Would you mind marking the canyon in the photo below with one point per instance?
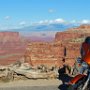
(66, 46)
(64, 49)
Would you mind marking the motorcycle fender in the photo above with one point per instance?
(76, 78)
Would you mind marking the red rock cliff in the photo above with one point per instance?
(72, 40)
(44, 53)
(67, 45)
(11, 47)
(9, 37)
(73, 33)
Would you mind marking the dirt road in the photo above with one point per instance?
(32, 88)
(32, 85)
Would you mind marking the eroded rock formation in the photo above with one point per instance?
(9, 37)
(52, 54)
(12, 47)
(44, 53)
(66, 46)
(73, 33)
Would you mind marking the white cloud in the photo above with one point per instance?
(7, 17)
(62, 21)
(59, 20)
(43, 22)
(50, 10)
(50, 21)
(22, 23)
(73, 21)
(85, 21)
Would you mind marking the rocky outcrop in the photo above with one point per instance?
(65, 47)
(44, 53)
(51, 54)
(72, 40)
(73, 33)
(9, 37)
(60, 36)
(12, 47)
(82, 29)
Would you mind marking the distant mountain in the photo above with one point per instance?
(47, 27)
(43, 32)
(44, 27)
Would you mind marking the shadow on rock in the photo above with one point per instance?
(64, 78)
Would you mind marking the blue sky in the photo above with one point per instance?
(18, 13)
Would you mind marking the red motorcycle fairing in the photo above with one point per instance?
(76, 78)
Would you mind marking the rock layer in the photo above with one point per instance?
(65, 47)
(11, 47)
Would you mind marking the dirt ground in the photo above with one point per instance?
(40, 84)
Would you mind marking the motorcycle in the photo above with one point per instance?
(77, 66)
(81, 81)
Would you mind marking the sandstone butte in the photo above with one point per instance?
(66, 46)
(12, 47)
